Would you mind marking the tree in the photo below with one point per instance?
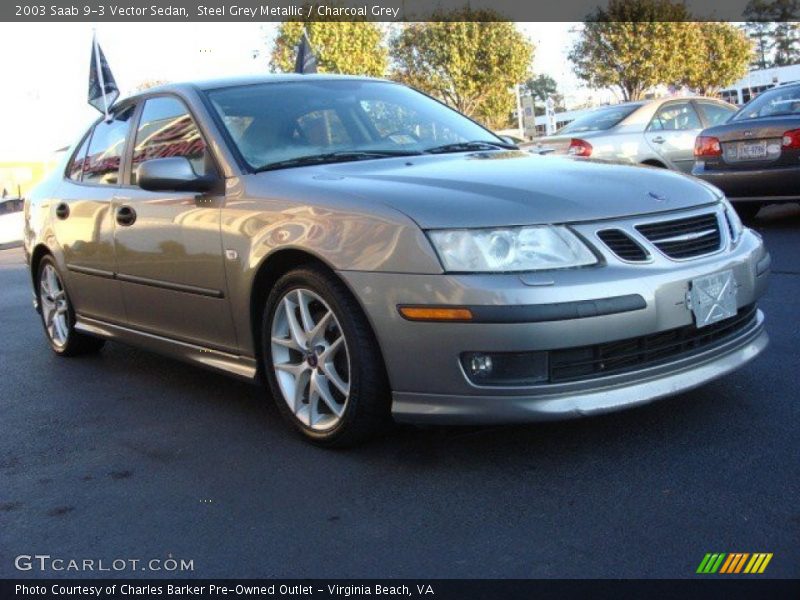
(468, 59)
(773, 26)
(351, 47)
(722, 56)
(759, 28)
(149, 83)
(634, 45)
(540, 89)
(787, 43)
(787, 32)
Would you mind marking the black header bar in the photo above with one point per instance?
(352, 10)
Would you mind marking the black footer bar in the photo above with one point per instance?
(435, 589)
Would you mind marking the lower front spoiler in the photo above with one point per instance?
(413, 407)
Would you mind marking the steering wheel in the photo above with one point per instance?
(401, 132)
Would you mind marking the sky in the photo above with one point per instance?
(45, 68)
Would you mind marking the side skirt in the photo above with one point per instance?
(242, 367)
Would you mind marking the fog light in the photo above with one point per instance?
(506, 368)
(480, 365)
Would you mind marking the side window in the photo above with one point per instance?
(78, 162)
(167, 129)
(675, 117)
(105, 150)
(716, 114)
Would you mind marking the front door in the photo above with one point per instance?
(169, 246)
(672, 132)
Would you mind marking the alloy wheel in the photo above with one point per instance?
(310, 359)
(55, 306)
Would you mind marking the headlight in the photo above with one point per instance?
(510, 249)
(734, 222)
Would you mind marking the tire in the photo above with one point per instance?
(58, 316)
(747, 211)
(330, 382)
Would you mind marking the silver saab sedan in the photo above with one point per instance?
(375, 255)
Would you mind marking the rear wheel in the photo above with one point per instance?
(747, 211)
(322, 361)
(58, 316)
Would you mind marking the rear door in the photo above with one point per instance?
(671, 134)
(169, 244)
(83, 221)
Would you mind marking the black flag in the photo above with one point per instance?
(103, 90)
(306, 61)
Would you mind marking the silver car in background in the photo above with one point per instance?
(659, 133)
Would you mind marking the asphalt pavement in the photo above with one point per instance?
(128, 455)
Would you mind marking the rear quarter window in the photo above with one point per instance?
(78, 161)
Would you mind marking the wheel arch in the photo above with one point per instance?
(273, 267)
(39, 252)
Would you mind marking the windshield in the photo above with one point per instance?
(599, 120)
(772, 103)
(289, 124)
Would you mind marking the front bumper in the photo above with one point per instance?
(647, 386)
(755, 185)
(423, 358)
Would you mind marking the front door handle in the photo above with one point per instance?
(658, 140)
(126, 216)
(62, 210)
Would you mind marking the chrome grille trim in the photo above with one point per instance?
(685, 238)
(623, 245)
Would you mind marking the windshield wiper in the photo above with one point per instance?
(467, 146)
(333, 157)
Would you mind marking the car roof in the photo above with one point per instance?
(223, 82)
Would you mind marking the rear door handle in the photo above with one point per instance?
(126, 216)
(62, 210)
(658, 140)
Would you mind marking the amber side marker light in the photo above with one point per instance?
(437, 313)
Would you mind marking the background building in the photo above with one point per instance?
(755, 82)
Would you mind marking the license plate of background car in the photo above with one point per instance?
(751, 150)
(713, 298)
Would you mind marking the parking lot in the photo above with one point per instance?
(130, 455)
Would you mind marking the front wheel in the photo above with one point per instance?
(58, 316)
(322, 361)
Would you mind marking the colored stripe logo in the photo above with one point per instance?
(734, 562)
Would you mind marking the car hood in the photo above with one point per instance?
(489, 189)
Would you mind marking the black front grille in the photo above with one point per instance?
(684, 238)
(635, 353)
(621, 244)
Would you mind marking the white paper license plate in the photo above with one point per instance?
(713, 298)
(751, 150)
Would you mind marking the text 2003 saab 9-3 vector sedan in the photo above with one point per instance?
(376, 254)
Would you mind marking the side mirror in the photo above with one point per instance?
(173, 174)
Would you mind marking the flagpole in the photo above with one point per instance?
(99, 68)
